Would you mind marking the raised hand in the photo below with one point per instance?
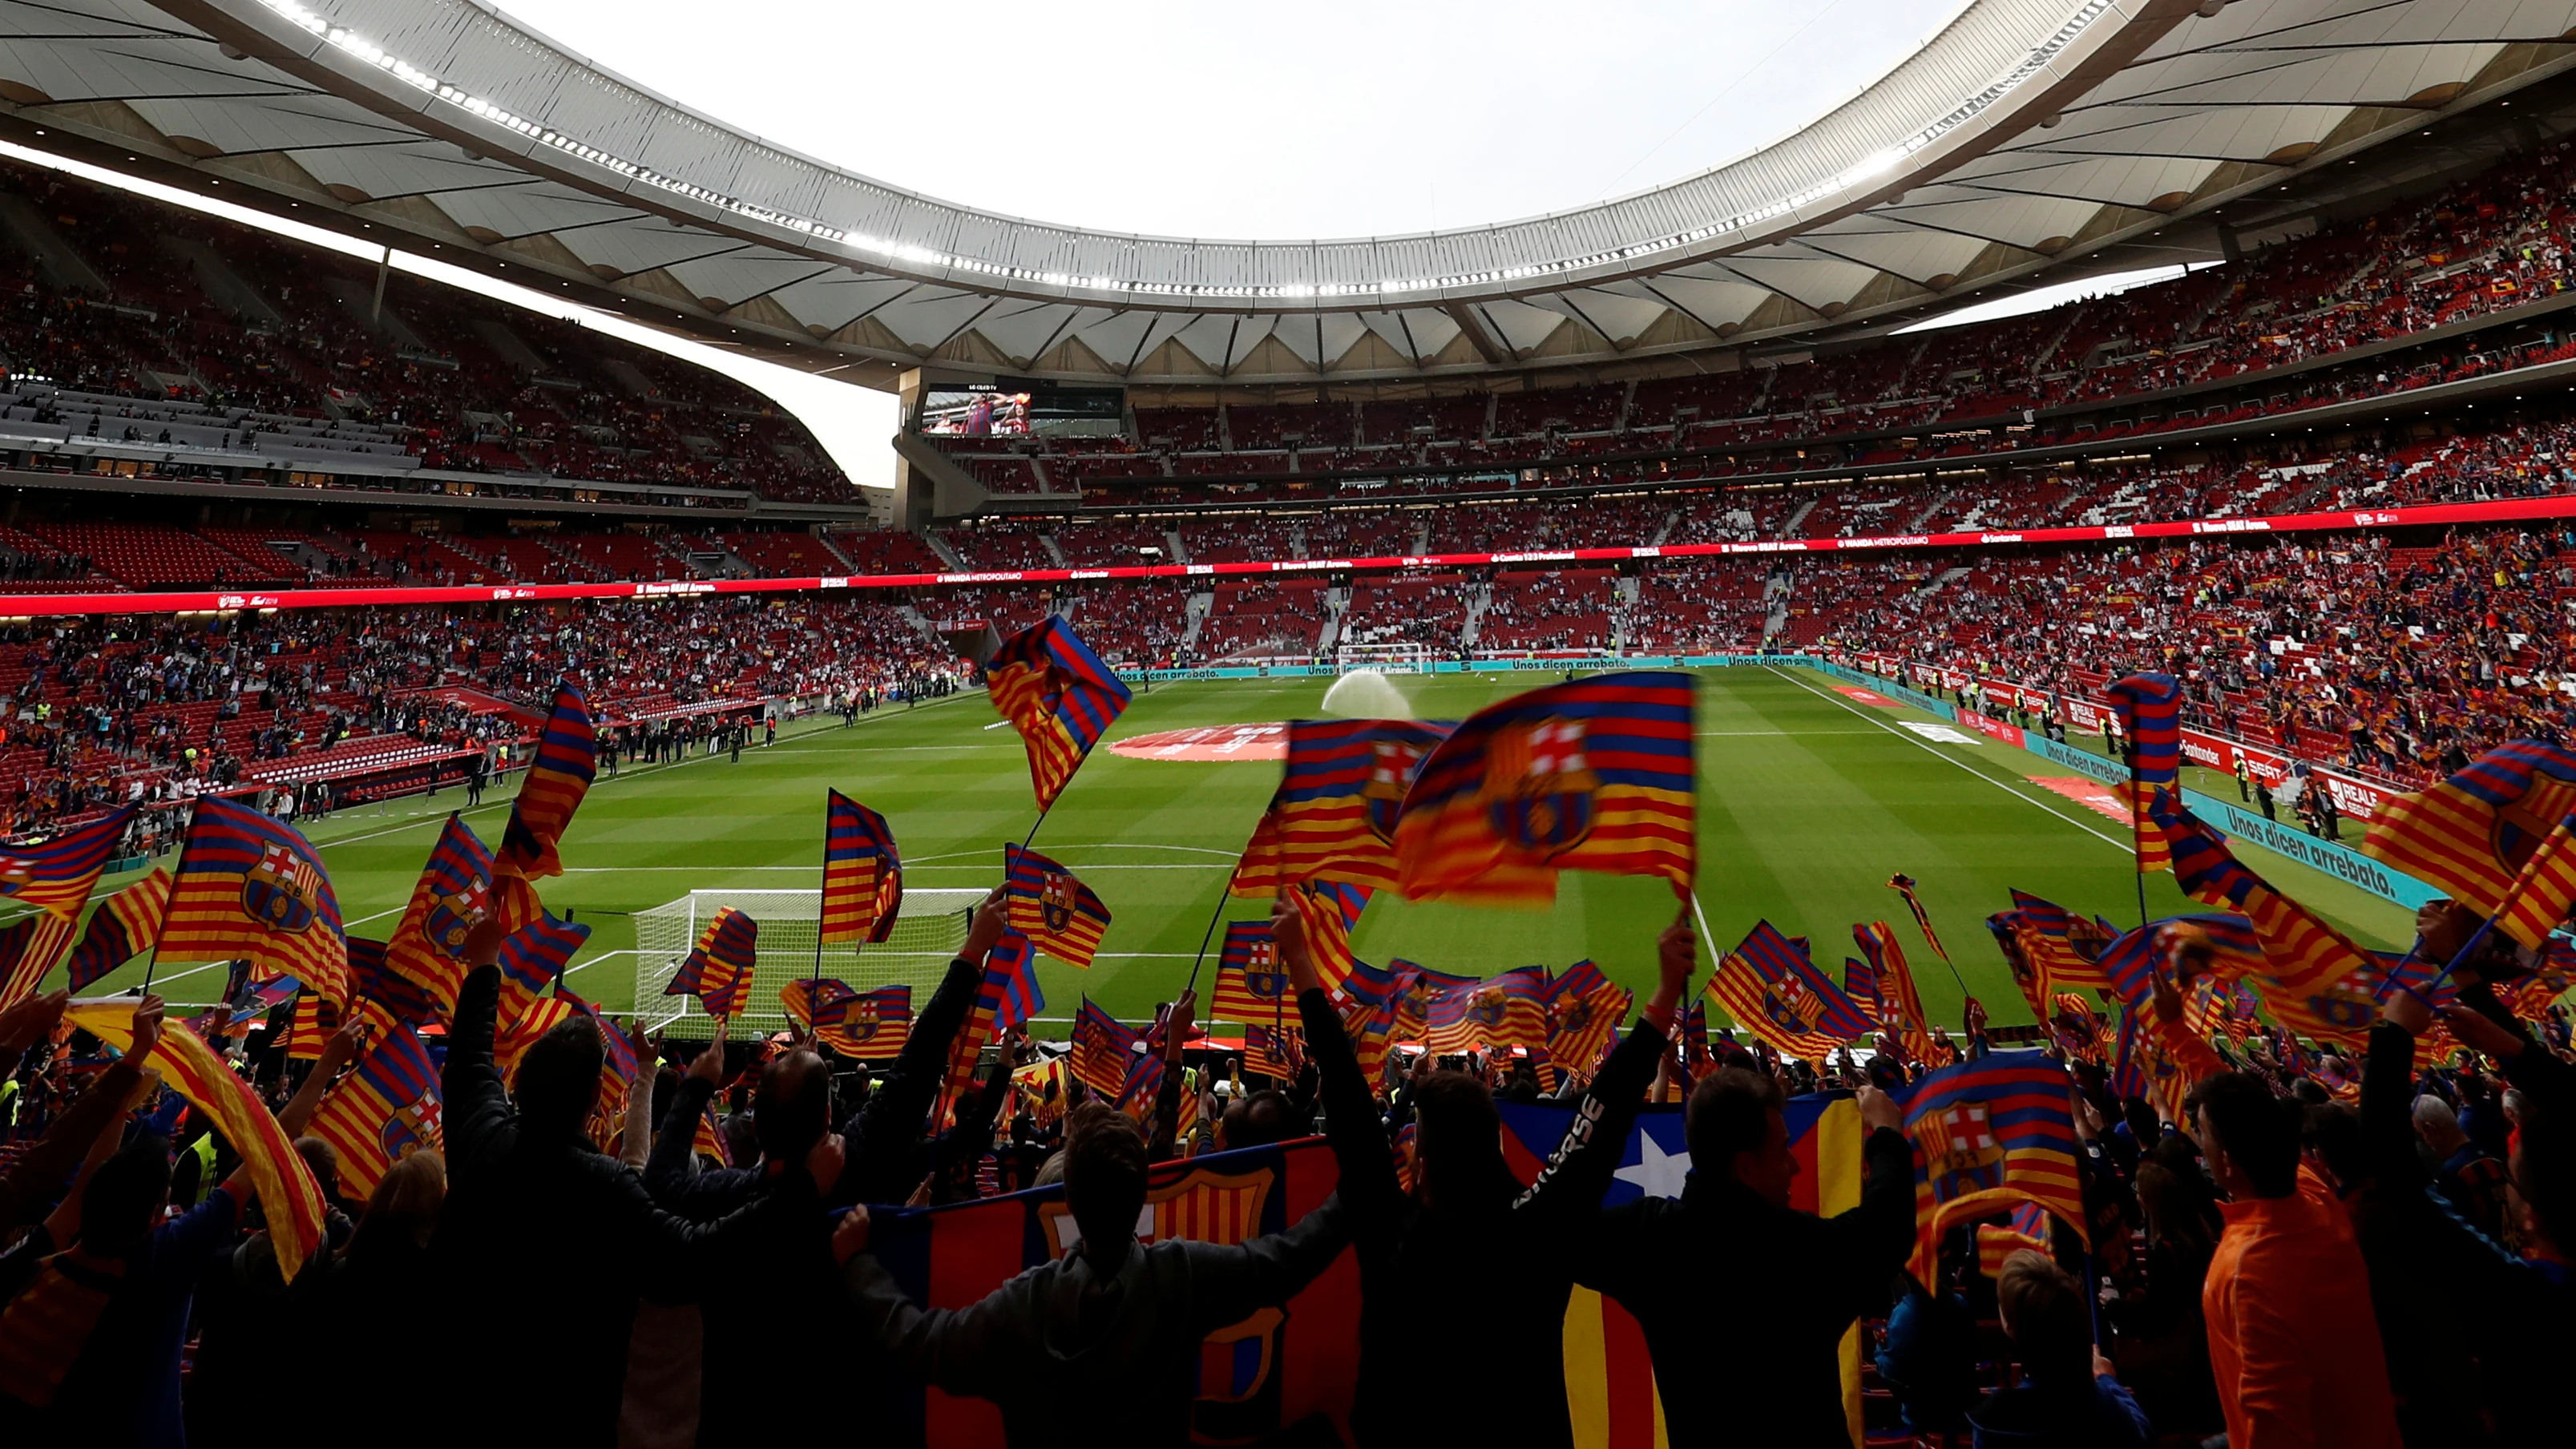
(147, 1028)
(708, 1065)
(2481, 1034)
(992, 919)
(342, 1048)
(850, 1238)
(1877, 1109)
(823, 1162)
(1288, 938)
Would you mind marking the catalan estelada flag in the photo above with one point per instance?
(1058, 695)
(289, 1198)
(123, 927)
(1052, 907)
(1592, 775)
(2130, 962)
(57, 874)
(2471, 835)
(567, 759)
(1502, 1011)
(1334, 815)
(2313, 977)
(717, 971)
(1104, 1050)
(383, 1112)
(2026, 1230)
(1251, 985)
(251, 888)
(2150, 710)
(427, 948)
(1988, 1134)
(29, 947)
(1774, 990)
(866, 1026)
(1899, 1010)
(862, 873)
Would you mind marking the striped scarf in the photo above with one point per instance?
(43, 1330)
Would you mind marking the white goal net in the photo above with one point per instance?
(1405, 658)
(927, 933)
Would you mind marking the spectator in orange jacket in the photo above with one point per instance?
(2292, 1338)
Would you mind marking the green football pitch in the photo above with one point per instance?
(1808, 801)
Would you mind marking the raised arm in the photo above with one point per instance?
(887, 1127)
(1230, 1282)
(475, 1110)
(338, 1051)
(1369, 1186)
(1581, 1168)
(83, 1123)
(673, 1163)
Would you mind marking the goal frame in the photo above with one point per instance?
(927, 933)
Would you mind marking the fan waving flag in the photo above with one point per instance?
(1899, 1008)
(1058, 695)
(122, 928)
(2130, 962)
(718, 969)
(58, 874)
(866, 1026)
(1103, 1050)
(1329, 910)
(532, 961)
(1251, 985)
(1593, 775)
(383, 1112)
(251, 888)
(2150, 710)
(29, 947)
(1581, 1027)
(862, 874)
(1774, 990)
(1988, 1134)
(2313, 976)
(455, 888)
(289, 1198)
(2142, 1068)
(1052, 907)
(1334, 815)
(1008, 997)
(567, 759)
(2471, 835)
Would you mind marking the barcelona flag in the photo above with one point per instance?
(2130, 962)
(2064, 949)
(617, 1068)
(251, 888)
(2150, 710)
(1278, 1051)
(2024, 1231)
(29, 947)
(532, 961)
(2313, 977)
(1253, 1379)
(1904, 885)
(2472, 835)
(567, 759)
(122, 928)
(382, 1112)
(1502, 1011)
(1251, 985)
(1581, 1028)
(57, 874)
(718, 969)
(1008, 997)
(1052, 907)
(1330, 910)
(1058, 695)
(2141, 1068)
(427, 948)
(1593, 775)
(1334, 815)
(289, 1198)
(1987, 1134)
(1104, 1050)
(1775, 991)
(1897, 1008)
(1143, 1087)
(376, 993)
(862, 873)
(866, 1026)
(315, 1021)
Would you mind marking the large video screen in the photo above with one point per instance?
(1020, 407)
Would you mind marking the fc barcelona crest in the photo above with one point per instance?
(450, 921)
(1485, 1008)
(281, 892)
(1969, 1158)
(14, 875)
(1055, 900)
(1390, 774)
(1539, 786)
(1261, 974)
(1577, 1017)
(859, 1021)
(410, 1128)
(1791, 1007)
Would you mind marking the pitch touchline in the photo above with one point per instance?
(1955, 760)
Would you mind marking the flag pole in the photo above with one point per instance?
(2137, 823)
(1222, 896)
(178, 872)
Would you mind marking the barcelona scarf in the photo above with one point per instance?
(1334, 815)
(717, 971)
(251, 888)
(29, 947)
(865, 1026)
(427, 949)
(1254, 1379)
(1058, 695)
(58, 874)
(1052, 907)
(862, 874)
(1987, 1134)
(1502, 1011)
(289, 1197)
(1593, 775)
(1250, 983)
(2150, 710)
(382, 1112)
(1104, 1050)
(567, 760)
(2473, 835)
(2314, 978)
(1896, 1007)
(1774, 990)
(122, 928)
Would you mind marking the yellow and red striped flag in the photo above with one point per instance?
(2475, 835)
(123, 927)
(249, 887)
(29, 947)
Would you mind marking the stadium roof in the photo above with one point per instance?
(2025, 135)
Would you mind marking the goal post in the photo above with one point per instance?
(1403, 658)
(926, 935)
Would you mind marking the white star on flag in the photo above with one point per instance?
(1658, 1174)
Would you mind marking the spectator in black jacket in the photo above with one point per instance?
(544, 1233)
(1733, 1237)
(1100, 1346)
(1468, 1239)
